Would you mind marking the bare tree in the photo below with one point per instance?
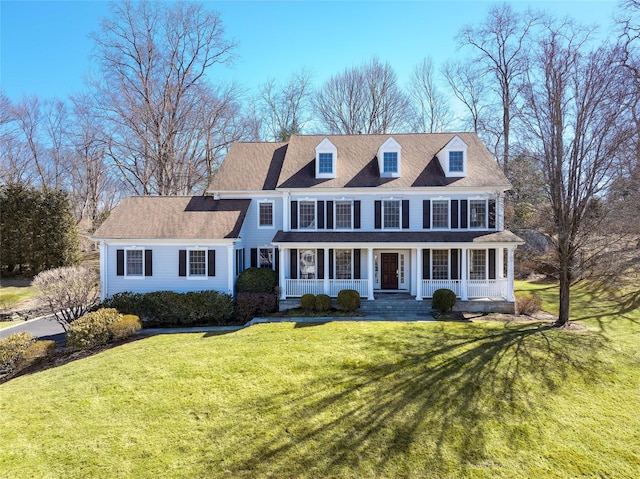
(501, 47)
(365, 99)
(154, 59)
(574, 109)
(432, 113)
(285, 108)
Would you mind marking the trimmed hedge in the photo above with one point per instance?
(257, 280)
(251, 305)
(443, 300)
(323, 302)
(92, 329)
(168, 308)
(348, 299)
(37, 350)
(125, 327)
(308, 302)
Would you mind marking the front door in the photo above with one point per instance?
(389, 270)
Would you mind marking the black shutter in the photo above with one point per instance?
(463, 213)
(455, 214)
(356, 215)
(293, 263)
(426, 214)
(492, 214)
(120, 262)
(426, 264)
(331, 264)
(254, 257)
(148, 262)
(320, 214)
(329, 215)
(405, 214)
(182, 262)
(211, 266)
(320, 263)
(294, 215)
(276, 259)
(454, 264)
(378, 214)
(356, 264)
(492, 263)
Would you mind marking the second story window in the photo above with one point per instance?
(307, 213)
(456, 162)
(391, 214)
(343, 215)
(390, 162)
(477, 214)
(265, 214)
(440, 214)
(325, 163)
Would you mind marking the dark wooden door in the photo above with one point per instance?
(389, 270)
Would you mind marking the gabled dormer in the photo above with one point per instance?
(390, 159)
(453, 158)
(326, 159)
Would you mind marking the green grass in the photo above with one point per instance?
(6, 324)
(22, 292)
(346, 400)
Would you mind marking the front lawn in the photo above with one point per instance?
(343, 399)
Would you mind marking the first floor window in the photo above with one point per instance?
(441, 214)
(343, 214)
(440, 264)
(477, 213)
(239, 260)
(266, 258)
(343, 264)
(134, 262)
(265, 214)
(307, 215)
(391, 213)
(197, 262)
(477, 264)
(307, 264)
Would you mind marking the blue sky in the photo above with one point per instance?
(45, 46)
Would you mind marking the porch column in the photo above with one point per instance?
(325, 282)
(510, 285)
(230, 264)
(464, 275)
(418, 274)
(370, 273)
(500, 265)
(281, 273)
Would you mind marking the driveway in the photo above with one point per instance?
(41, 328)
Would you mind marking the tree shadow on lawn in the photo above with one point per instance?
(434, 397)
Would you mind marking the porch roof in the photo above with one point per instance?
(364, 237)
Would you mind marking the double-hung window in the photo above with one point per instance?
(307, 264)
(265, 214)
(441, 214)
(325, 163)
(197, 263)
(307, 219)
(265, 258)
(477, 213)
(391, 214)
(343, 214)
(239, 260)
(477, 264)
(134, 262)
(456, 162)
(440, 264)
(343, 264)
(390, 162)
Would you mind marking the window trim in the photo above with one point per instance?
(448, 203)
(486, 214)
(485, 266)
(432, 264)
(315, 215)
(126, 263)
(335, 263)
(315, 262)
(197, 277)
(461, 170)
(320, 163)
(382, 219)
(335, 214)
(384, 162)
(273, 256)
(273, 222)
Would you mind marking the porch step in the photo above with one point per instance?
(383, 305)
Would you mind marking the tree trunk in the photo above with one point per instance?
(565, 290)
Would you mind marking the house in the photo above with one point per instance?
(405, 213)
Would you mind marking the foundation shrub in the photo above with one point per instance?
(92, 329)
(308, 302)
(348, 299)
(251, 305)
(528, 304)
(36, 351)
(124, 328)
(322, 302)
(257, 280)
(12, 350)
(443, 300)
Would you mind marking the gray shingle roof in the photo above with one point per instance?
(257, 166)
(180, 217)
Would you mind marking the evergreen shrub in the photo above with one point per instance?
(348, 299)
(443, 300)
(308, 302)
(322, 302)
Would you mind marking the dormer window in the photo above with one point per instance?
(326, 159)
(453, 158)
(390, 159)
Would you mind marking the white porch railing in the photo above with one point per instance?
(430, 285)
(476, 288)
(298, 287)
(489, 288)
